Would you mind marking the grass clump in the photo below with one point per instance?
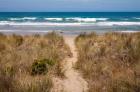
(2, 47)
(39, 67)
(50, 62)
(21, 57)
(16, 40)
(110, 62)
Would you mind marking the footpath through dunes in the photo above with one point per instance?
(73, 81)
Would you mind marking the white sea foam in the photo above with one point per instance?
(56, 19)
(15, 19)
(29, 18)
(24, 18)
(86, 19)
(82, 19)
(78, 19)
(38, 24)
(107, 23)
(103, 19)
(4, 22)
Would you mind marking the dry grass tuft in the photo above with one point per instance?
(110, 62)
(19, 53)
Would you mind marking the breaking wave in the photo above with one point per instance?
(106, 23)
(24, 18)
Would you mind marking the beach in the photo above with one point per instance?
(69, 52)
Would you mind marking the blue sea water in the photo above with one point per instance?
(69, 22)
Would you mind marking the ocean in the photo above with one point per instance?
(68, 22)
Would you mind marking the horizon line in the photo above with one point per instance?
(69, 11)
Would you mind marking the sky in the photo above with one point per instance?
(69, 5)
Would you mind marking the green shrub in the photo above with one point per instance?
(39, 67)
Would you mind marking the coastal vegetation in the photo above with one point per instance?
(107, 62)
(28, 63)
(110, 62)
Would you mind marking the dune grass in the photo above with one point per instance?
(21, 57)
(110, 62)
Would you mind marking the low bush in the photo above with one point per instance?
(39, 67)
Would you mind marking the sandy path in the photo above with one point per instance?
(74, 81)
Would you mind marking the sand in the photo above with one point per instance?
(73, 81)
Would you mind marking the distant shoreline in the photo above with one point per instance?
(63, 33)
